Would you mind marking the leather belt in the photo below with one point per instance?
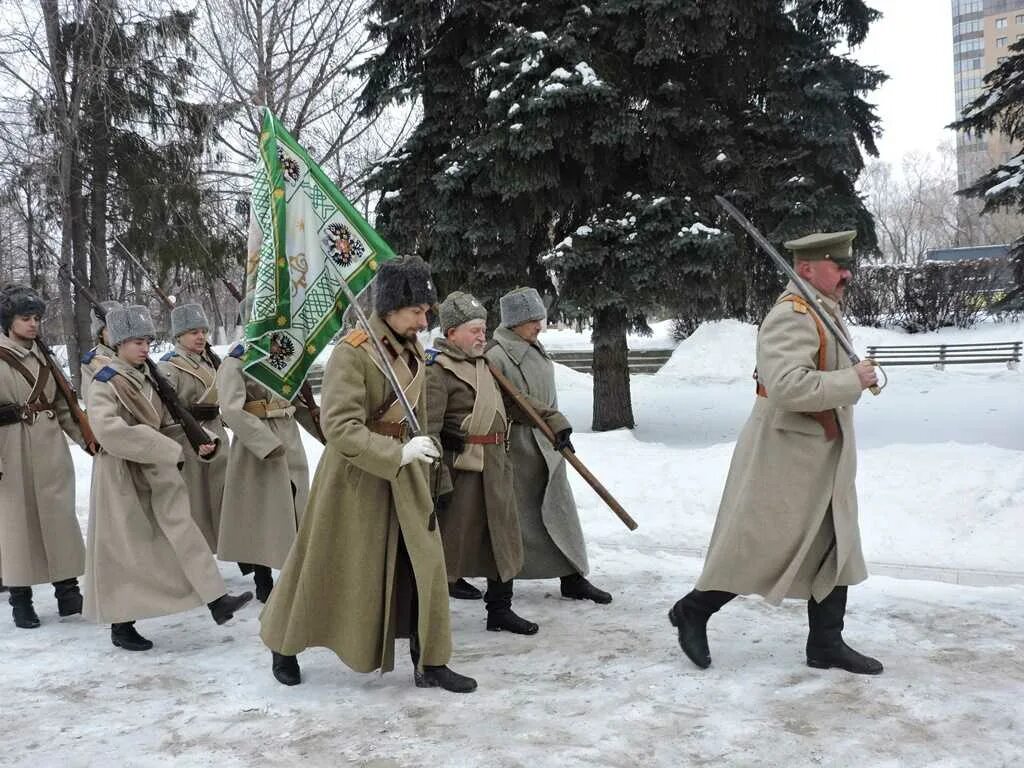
(16, 413)
(396, 429)
(204, 411)
(827, 419)
(275, 409)
(496, 438)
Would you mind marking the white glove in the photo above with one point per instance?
(420, 448)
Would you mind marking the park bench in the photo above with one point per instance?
(941, 355)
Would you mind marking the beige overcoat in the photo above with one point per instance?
(553, 543)
(40, 537)
(193, 378)
(346, 585)
(92, 362)
(787, 525)
(145, 555)
(267, 484)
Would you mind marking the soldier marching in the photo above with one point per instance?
(396, 519)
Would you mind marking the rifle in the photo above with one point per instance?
(570, 457)
(196, 435)
(798, 281)
(167, 300)
(70, 397)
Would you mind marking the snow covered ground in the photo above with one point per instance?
(941, 483)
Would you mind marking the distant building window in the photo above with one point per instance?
(1000, 42)
(1019, 19)
(963, 46)
(1001, 23)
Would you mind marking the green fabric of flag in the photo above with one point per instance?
(305, 237)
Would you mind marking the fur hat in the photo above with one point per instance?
(521, 306)
(95, 324)
(188, 317)
(131, 322)
(459, 308)
(19, 300)
(402, 282)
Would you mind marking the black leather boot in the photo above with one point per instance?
(223, 608)
(69, 597)
(286, 669)
(442, 677)
(825, 645)
(463, 590)
(245, 568)
(500, 616)
(690, 617)
(576, 587)
(24, 612)
(3, 587)
(264, 581)
(124, 635)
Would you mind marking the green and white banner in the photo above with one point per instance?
(305, 237)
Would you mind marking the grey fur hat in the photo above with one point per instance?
(459, 308)
(403, 282)
(188, 317)
(95, 324)
(521, 306)
(131, 322)
(19, 300)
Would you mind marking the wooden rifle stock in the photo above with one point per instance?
(70, 397)
(570, 457)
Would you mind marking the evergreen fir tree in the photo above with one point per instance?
(1000, 108)
(582, 143)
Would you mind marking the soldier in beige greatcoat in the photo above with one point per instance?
(191, 370)
(40, 537)
(368, 564)
(267, 482)
(787, 525)
(145, 556)
(102, 353)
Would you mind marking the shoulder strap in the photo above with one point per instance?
(8, 357)
(356, 337)
(800, 305)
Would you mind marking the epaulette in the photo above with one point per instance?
(88, 356)
(799, 307)
(167, 358)
(237, 351)
(430, 355)
(106, 373)
(356, 337)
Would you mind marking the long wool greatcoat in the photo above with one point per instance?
(92, 362)
(552, 537)
(787, 524)
(346, 585)
(145, 555)
(479, 525)
(193, 378)
(267, 482)
(40, 538)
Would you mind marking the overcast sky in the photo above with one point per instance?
(912, 43)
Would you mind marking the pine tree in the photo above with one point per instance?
(582, 144)
(1000, 109)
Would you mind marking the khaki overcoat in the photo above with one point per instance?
(553, 543)
(267, 484)
(40, 537)
(193, 378)
(145, 555)
(479, 524)
(346, 584)
(787, 524)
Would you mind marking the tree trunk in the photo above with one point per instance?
(613, 407)
(80, 258)
(99, 279)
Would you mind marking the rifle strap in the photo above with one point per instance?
(37, 383)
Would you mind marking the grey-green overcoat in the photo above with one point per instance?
(342, 587)
(553, 541)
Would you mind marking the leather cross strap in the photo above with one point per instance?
(495, 438)
(396, 429)
(37, 398)
(827, 419)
